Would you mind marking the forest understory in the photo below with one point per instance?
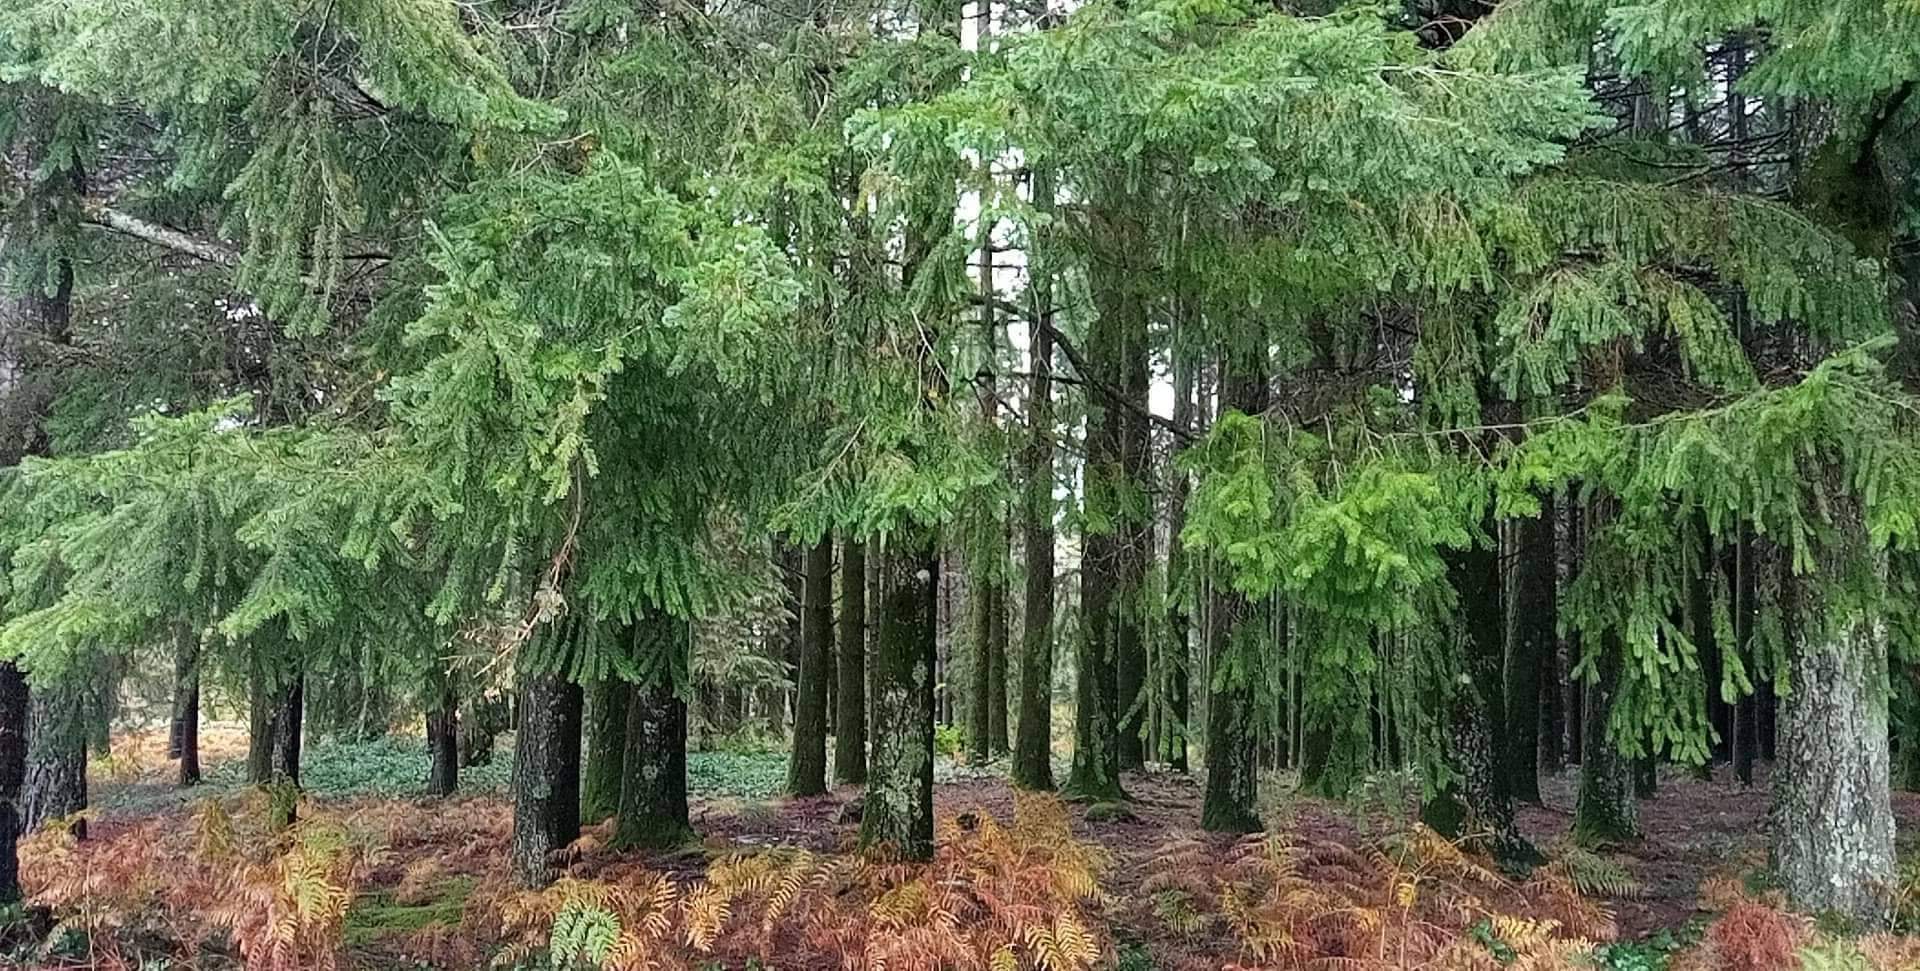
(377, 877)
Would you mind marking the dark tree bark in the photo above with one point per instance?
(1532, 624)
(13, 776)
(260, 707)
(1033, 740)
(898, 814)
(443, 743)
(1179, 646)
(1477, 801)
(793, 571)
(288, 727)
(546, 775)
(807, 770)
(1746, 734)
(850, 709)
(56, 775)
(1604, 810)
(481, 719)
(1237, 627)
(183, 739)
(997, 737)
(1109, 673)
(653, 800)
(979, 674)
(1135, 523)
(604, 766)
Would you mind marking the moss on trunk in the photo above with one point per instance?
(898, 814)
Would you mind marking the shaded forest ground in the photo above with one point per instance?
(415, 903)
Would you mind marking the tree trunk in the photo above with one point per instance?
(850, 710)
(1033, 740)
(807, 770)
(13, 775)
(604, 766)
(1108, 677)
(443, 743)
(1746, 733)
(1833, 822)
(56, 776)
(1532, 624)
(480, 720)
(183, 739)
(260, 705)
(898, 815)
(793, 570)
(979, 673)
(653, 800)
(546, 775)
(1237, 630)
(997, 736)
(288, 724)
(1476, 801)
(1605, 810)
(1179, 646)
(1136, 536)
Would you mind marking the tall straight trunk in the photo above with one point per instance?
(998, 742)
(979, 672)
(1477, 801)
(1179, 647)
(898, 815)
(13, 776)
(1033, 740)
(56, 773)
(184, 734)
(260, 707)
(443, 743)
(603, 765)
(1572, 541)
(807, 770)
(1605, 810)
(1109, 678)
(850, 709)
(653, 800)
(1135, 521)
(1833, 824)
(546, 774)
(1237, 632)
(1746, 732)
(481, 718)
(793, 568)
(1532, 625)
(1700, 619)
(289, 720)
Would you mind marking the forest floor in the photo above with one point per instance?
(1694, 830)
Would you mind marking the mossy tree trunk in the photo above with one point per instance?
(898, 814)
(546, 774)
(606, 702)
(1833, 827)
(1605, 810)
(979, 673)
(850, 701)
(1477, 801)
(1237, 628)
(807, 769)
(443, 742)
(1033, 739)
(653, 796)
(1531, 632)
(1107, 588)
